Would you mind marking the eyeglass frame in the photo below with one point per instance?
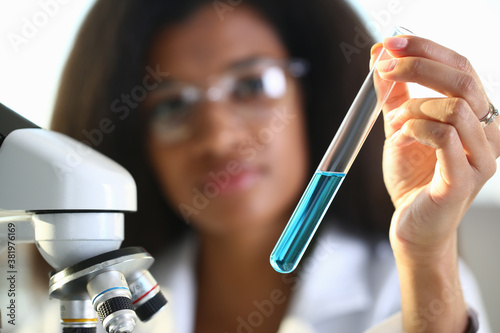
(218, 87)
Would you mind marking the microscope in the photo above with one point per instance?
(70, 201)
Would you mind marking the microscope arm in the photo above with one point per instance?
(70, 200)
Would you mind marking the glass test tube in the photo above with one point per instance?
(333, 168)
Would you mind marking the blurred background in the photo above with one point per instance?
(37, 35)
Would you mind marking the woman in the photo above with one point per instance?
(178, 93)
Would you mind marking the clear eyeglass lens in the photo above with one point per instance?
(267, 84)
(252, 92)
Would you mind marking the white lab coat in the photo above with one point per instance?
(345, 285)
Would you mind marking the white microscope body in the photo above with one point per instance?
(70, 201)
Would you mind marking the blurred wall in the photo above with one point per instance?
(480, 248)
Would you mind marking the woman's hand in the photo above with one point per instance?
(437, 156)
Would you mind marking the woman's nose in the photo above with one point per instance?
(219, 129)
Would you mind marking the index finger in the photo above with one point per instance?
(413, 46)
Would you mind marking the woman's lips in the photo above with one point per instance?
(231, 179)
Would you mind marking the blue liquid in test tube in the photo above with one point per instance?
(311, 208)
(333, 168)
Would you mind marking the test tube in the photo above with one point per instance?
(333, 168)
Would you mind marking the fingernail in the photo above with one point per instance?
(395, 43)
(387, 65)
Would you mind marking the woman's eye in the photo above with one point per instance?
(251, 87)
(269, 84)
(171, 110)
